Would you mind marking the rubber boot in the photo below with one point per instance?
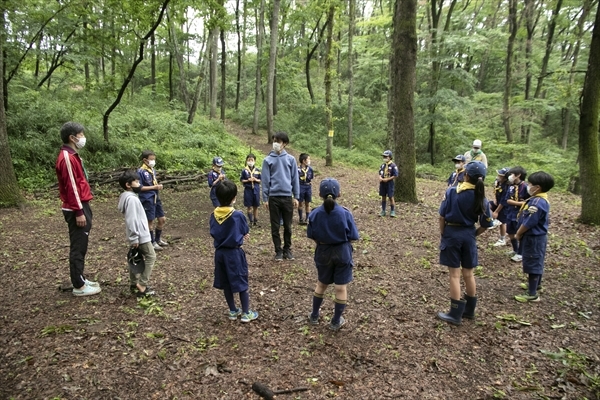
(454, 316)
(469, 312)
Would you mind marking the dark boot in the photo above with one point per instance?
(469, 312)
(454, 316)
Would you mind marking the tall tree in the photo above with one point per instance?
(223, 74)
(10, 195)
(271, 69)
(589, 165)
(214, 54)
(328, 79)
(403, 64)
(351, 15)
(239, 54)
(513, 27)
(260, 34)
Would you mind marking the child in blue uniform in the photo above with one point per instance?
(229, 229)
(215, 177)
(458, 176)
(463, 206)
(332, 228)
(533, 232)
(499, 212)
(387, 173)
(305, 174)
(515, 198)
(251, 180)
(151, 200)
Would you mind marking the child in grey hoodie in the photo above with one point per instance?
(137, 232)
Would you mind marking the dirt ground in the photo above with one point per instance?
(181, 345)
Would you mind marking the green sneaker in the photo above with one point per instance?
(393, 213)
(382, 214)
(525, 286)
(249, 316)
(234, 314)
(526, 298)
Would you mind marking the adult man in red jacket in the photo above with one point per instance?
(75, 194)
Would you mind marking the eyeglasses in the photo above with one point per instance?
(475, 148)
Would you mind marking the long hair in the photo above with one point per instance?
(478, 207)
(329, 203)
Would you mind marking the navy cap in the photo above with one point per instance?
(218, 161)
(476, 169)
(503, 171)
(459, 157)
(329, 186)
(387, 153)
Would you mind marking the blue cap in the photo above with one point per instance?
(218, 161)
(459, 157)
(503, 171)
(329, 186)
(476, 169)
(387, 153)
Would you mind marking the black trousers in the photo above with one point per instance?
(79, 244)
(281, 207)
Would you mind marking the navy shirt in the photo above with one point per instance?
(456, 177)
(388, 169)
(334, 228)
(250, 172)
(147, 178)
(305, 175)
(534, 215)
(517, 193)
(457, 208)
(230, 233)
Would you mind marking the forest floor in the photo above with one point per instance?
(181, 344)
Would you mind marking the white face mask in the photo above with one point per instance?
(79, 144)
(276, 147)
(530, 190)
(251, 164)
(151, 163)
(458, 166)
(308, 162)
(511, 179)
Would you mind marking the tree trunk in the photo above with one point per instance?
(403, 65)
(153, 63)
(512, 18)
(271, 70)
(171, 89)
(351, 15)
(239, 54)
(338, 70)
(530, 24)
(244, 94)
(223, 74)
(203, 56)
(180, 66)
(132, 70)
(260, 34)
(549, 44)
(328, 79)
(213, 72)
(309, 54)
(10, 194)
(589, 167)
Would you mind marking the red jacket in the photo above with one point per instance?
(73, 186)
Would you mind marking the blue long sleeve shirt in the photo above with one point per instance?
(280, 176)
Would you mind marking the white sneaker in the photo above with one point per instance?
(163, 243)
(90, 283)
(156, 246)
(510, 253)
(86, 290)
(500, 242)
(517, 258)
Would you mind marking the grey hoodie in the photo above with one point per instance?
(136, 223)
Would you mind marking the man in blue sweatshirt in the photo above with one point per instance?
(280, 192)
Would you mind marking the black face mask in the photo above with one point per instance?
(136, 189)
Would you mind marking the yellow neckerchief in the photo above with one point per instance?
(222, 213)
(457, 173)
(305, 171)
(464, 186)
(525, 206)
(251, 171)
(147, 168)
(515, 197)
(386, 171)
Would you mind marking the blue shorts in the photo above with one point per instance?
(334, 263)
(305, 193)
(153, 210)
(458, 247)
(503, 216)
(213, 197)
(251, 197)
(512, 227)
(231, 270)
(386, 189)
(534, 252)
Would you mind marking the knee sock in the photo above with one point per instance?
(245, 300)
(515, 244)
(317, 301)
(539, 282)
(250, 217)
(158, 233)
(383, 204)
(534, 280)
(229, 298)
(152, 236)
(520, 249)
(392, 207)
(340, 305)
(300, 214)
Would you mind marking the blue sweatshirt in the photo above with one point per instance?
(280, 176)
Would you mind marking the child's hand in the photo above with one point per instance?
(159, 187)
(246, 237)
(495, 215)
